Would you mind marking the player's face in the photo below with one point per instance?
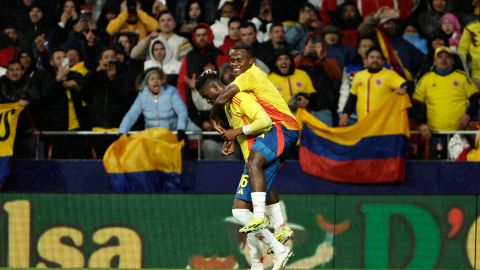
(240, 61)
(211, 91)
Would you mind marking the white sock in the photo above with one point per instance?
(269, 239)
(242, 215)
(274, 213)
(258, 201)
(254, 245)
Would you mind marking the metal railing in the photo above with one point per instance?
(201, 134)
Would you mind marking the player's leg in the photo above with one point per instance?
(277, 221)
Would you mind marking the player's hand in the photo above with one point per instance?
(217, 125)
(228, 147)
(231, 134)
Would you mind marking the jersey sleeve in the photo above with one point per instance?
(244, 82)
(248, 106)
(419, 93)
(396, 81)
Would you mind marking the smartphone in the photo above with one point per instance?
(65, 62)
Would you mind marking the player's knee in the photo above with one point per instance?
(242, 215)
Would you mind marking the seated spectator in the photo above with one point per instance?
(132, 19)
(194, 14)
(226, 11)
(233, 35)
(452, 28)
(277, 41)
(179, 45)
(288, 79)
(411, 34)
(15, 87)
(323, 70)
(445, 99)
(161, 56)
(160, 105)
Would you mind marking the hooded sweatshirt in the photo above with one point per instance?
(169, 64)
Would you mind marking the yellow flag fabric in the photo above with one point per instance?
(8, 126)
(148, 161)
(474, 154)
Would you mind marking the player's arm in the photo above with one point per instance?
(230, 91)
(255, 113)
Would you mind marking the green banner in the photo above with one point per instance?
(197, 231)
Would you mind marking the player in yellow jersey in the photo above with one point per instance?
(250, 124)
(249, 78)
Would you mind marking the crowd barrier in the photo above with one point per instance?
(89, 176)
(198, 136)
(134, 231)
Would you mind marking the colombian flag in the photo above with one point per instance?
(148, 161)
(8, 126)
(371, 151)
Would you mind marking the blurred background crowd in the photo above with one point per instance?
(112, 65)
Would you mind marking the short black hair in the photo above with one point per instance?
(275, 24)
(234, 19)
(12, 62)
(247, 24)
(377, 49)
(204, 79)
(166, 12)
(243, 46)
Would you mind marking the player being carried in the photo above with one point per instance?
(244, 112)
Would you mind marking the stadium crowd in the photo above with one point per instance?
(102, 64)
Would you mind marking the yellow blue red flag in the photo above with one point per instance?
(147, 161)
(371, 151)
(8, 126)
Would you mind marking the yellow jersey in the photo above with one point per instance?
(372, 89)
(289, 86)
(446, 98)
(243, 110)
(255, 81)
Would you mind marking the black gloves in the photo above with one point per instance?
(181, 135)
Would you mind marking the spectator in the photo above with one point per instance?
(194, 14)
(35, 26)
(161, 56)
(15, 87)
(401, 55)
(371, 87)
(248, 36)
(437, 40)
(26, 60)
(445, 99)
(469, 49)
(193, 65)
(296, 34)
(323, 70)
(333, 37)
(68, 17)
(179, 45)
(160, 105)
(277, 41)
(220, 27)
(429, 21)
(128, 40)
(411, 34)
(452, 28)
(233, 35)
(348, 19)
(357, 64)
(132, 19)
(263, 20)
(11, 32)
(288, 79)
(62, 96)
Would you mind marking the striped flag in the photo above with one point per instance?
(371, 151)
